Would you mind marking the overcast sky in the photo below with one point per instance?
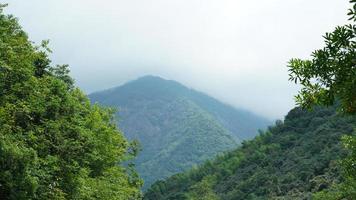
(234, 50)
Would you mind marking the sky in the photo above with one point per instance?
(234, 50)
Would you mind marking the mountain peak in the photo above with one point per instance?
(151, 77)
(177, 127)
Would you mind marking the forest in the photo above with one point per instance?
(293, 159)
(56, 143)
(178, 127)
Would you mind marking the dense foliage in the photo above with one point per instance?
(331, 73)
(328, 77)
(291, 160)
(53, 143)
(177, 127)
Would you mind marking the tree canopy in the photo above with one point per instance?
(291, 160)
(330, 75)
(53, 143)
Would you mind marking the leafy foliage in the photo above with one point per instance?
(347, 188)
(53, 143)
(291, 160)
(331, 73)
(331, 76)
(177, 127)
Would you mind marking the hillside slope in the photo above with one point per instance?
(291, 160)
(177, 127)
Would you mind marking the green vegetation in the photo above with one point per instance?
(53, 143)
(300, 158)
(291, 160)
(177, 127)
(331, 73)
(331, 76)
(153, 91)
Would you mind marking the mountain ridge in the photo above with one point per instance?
(178, 127)
(181, 89)
(293, 159)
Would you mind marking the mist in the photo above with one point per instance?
(234, 50)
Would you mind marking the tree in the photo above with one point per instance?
(331, 73)
(203, 190)
(53, 143)
(328, 77)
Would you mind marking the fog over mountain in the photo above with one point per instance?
(234, 50)
(177, 127)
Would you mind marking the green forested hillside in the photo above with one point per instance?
(242, 124)
(56, 144)
(291, 160)
(53, 143)
(177, 127)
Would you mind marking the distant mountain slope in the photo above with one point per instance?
(292, 160)
(177, 127)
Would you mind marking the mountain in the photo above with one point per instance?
(177, 127)
(291, 160)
